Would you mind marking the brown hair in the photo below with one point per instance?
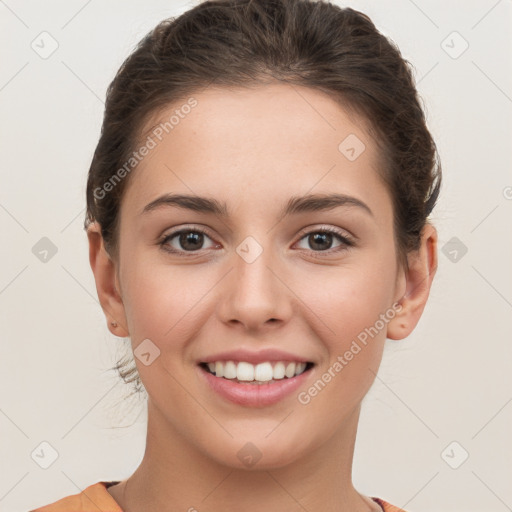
(237, 43)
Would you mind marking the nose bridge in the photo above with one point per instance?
(255, 283)
(255, 295)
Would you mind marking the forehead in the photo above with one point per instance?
(267, 140)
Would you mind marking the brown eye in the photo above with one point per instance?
(185, 240)
(191, 240)
(322, 240)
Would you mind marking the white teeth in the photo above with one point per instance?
(260, 373)
(290, 370)
(230, 370)
(263, 372)
(279, 370)
(219, 369)
(300, 368)
(244, 371)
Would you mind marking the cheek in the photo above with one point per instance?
(350, 307)
(166, 305)
(163, 301)
(347, 300)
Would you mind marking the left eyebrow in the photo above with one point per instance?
(322, 202)
(295, 205)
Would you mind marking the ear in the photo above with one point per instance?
(418, 280)
(107, 283)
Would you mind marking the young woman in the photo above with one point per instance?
(257, 214)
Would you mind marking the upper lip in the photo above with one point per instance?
(261, 356)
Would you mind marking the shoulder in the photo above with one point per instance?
(96, 497)
(93, 498)
(387, 507)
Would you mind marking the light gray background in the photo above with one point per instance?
(449, 381)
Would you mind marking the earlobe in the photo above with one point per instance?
(418, 281)
(104, 270)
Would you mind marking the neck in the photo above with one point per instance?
(175, 476)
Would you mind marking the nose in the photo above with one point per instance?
(254, 294)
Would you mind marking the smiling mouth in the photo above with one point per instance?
(260, 374)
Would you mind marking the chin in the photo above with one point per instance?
(256, 455)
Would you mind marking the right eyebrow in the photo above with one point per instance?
(189, 202)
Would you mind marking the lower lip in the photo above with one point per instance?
(254, 395)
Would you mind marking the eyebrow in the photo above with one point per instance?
(295, 205)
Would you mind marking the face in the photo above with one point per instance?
(271, 273)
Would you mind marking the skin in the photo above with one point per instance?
(254, 149)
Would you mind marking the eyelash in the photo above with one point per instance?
(347, 242)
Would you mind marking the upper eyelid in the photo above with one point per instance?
(186, 229)
(331, 229)
(303, 231)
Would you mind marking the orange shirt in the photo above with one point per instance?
(96, 497)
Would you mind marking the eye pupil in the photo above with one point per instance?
(193, 237)
(318, 238)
